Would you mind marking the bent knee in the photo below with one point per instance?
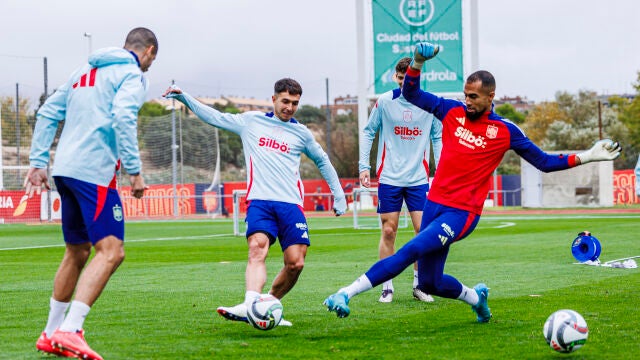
(115, 256)
(389, 233)
(295, 267)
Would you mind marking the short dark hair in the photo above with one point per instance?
(403, 65)
(140, 39)
(289, 85)
(488, 81)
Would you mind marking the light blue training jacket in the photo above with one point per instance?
(99, 104)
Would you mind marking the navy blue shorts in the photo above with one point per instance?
(390, 197)
(277, 219)
(90, 212)
(441, 226)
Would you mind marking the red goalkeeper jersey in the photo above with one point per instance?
(473, 149)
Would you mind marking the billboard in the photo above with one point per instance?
(399, 24)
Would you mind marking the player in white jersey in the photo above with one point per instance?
(402, 166)
(99, 105)
(273, 143)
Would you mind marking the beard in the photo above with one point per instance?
(475, 115)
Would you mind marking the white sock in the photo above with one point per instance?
(250, 296)
(78, 311)
(470, 296)
(57, 309)
(387, 285)
(361, 284)
(415, 279)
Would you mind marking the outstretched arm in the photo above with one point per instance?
(411, 87)
(603, 150)
(231, 122)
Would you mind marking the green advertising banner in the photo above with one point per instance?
(399, 24)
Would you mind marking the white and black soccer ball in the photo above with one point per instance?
(565, 331)
(265, 312)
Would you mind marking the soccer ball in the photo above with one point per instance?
(565, 331)
(265, 312)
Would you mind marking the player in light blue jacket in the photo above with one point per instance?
(99, 105)
(273, 143)
(406, 133)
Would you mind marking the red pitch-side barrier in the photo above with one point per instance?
(192, 199)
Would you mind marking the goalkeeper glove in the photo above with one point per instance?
(603, 150)
(423, 52)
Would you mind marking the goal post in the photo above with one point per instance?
(237, 197)
(362, 203)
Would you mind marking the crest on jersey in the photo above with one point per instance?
(407, 116)
(277, 132)
(117, 213)
(492, 131)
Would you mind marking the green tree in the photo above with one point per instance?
(509, 112)
(150, 110)
(231, 151)
(540, 117)
(629, 115)
(344, 145)
(587, 119)
(308, 114)
(17, 131)
(153, 109)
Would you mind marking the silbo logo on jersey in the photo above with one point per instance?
(274, 144)
(469, 140)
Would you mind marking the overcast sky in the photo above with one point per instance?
(241, 47)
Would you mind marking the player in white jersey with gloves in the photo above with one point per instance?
(273, 143)
(402, 166)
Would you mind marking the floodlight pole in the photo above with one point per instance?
(89, 37)
(1, 167)
(174, 156)
(328, 122)
(18, 128)
(363, 102)
(46, 95)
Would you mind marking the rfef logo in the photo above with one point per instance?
(492, 131)
(274, 144)
(416, 12)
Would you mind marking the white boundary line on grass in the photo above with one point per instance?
(374, 231)
(485, 218)
(126, 241)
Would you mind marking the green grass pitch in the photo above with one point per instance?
(161, 302)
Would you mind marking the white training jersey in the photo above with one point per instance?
(403, 145)
(272, 150)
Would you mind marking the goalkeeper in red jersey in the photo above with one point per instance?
(474, 140)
